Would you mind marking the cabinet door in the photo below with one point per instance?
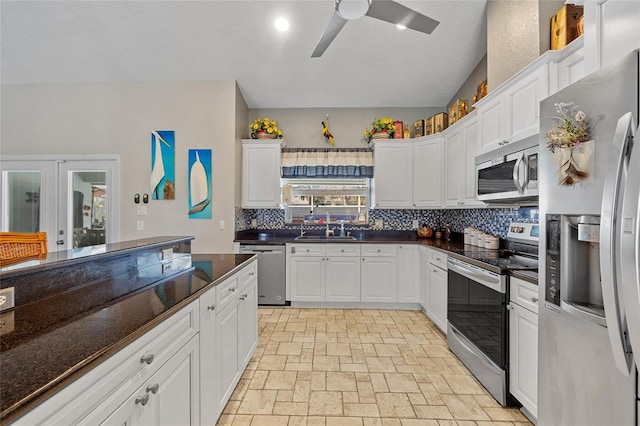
(208, 370)
(491, 122)
(424, 277)
(523, 356)
(342, 279)
(571, 69)
(468, 188)
(175, 391)
(619, 30)
(523, 103)
(261, 171)
(227, 352)
(393, 174)
(454, 165)
(427, 173)
(247, 323)
(408, 274)
(379, 275)
(307, 279)
(437, 298)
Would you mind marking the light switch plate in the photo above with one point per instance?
(140, 225)
(378, 224)
(142, 210)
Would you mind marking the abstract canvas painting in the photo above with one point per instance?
(163, 174)
(200, 184)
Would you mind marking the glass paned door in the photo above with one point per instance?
(87, 214)
(74, 201)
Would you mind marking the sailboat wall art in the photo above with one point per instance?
(163, 173)
(200, 184)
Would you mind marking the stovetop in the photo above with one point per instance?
(498, 261)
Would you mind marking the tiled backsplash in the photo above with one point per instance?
(494, 221)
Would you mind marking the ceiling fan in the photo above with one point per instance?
(385, 10)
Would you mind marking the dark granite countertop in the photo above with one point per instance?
(62, 258)
(49, 349)
(529, 276)
(283, 236)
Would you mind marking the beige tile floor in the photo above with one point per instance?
(343, 367)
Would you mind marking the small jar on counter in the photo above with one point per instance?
(491, 242)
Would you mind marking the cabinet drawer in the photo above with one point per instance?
(125, 367)
(226, 291)
(378, 250)
(438, 258)
(343, 249)
(524, 294)
(307, 250)
(249, 273)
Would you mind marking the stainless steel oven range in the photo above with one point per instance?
(477, 299)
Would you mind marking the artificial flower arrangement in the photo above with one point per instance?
(263, 128)
(571, 133)
(382, 125)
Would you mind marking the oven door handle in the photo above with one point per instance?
(488, 279)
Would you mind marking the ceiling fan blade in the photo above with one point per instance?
(395, 13)
(335, 25)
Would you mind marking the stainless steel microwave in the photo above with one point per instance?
(509, 174)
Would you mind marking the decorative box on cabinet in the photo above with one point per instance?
(261, 173)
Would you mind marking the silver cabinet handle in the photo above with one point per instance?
(232, 289)
(534, 299)
(242, 298)
(142, 399)
(153, 388)
(251, 274)
(211, 307)
(148, 359)
(510, 307)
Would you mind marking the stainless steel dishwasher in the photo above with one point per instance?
(271, 272)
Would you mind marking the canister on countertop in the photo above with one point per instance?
(491, 242)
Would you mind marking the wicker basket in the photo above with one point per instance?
(15, 246)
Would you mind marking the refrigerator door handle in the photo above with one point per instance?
(609, 248)
(630, 243)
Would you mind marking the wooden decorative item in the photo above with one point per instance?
(441, 122)
(419, 128)
(564, 26)
(429, 126)
(482, 90)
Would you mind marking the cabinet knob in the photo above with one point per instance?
(510, 307)
(211, 307)
(251, 274)
(378, 250)
(153, 388)
(534, 299)
(242, 298)
(142, 399)
(148, 359)
(232, 289)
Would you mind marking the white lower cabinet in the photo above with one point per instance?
(408, 273)
(523, 344)
(307, 278)
(342, 279)
(437, 289)
(181, 372)
(379, 273)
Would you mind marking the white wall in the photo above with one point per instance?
(117, 118)
(302, 127)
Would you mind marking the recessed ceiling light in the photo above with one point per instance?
(282, 24)
(401, 27)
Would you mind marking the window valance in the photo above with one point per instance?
(327, 163)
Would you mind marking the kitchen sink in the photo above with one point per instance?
(324, 238)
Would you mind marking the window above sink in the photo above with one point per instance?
(321, 201)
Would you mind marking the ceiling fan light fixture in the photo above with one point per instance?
(352, 9)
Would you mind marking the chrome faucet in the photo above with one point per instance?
(342, 229)
(302, 230)
(328, 231)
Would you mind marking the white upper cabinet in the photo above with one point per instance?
(427, 172)
(460, 146)
(261, 172)
(393, 174)
(511, 112)
(408, 174)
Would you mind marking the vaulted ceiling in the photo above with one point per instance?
(371, 63)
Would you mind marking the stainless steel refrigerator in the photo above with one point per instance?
(589, 281)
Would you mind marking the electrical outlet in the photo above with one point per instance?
(142, 210)
(254, 223)
(167, 253)
(7, 298)
(140, 225)
(415, 224)
(378, 224)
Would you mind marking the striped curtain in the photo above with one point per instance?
(327, 163)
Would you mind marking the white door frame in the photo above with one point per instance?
(51, 212)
